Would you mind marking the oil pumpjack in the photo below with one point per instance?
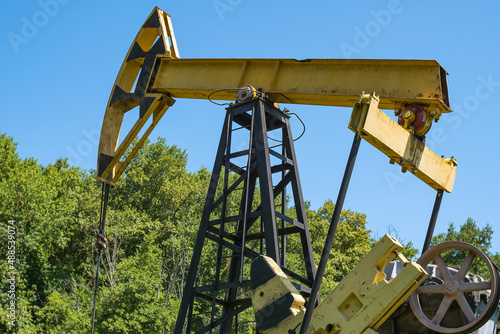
(252, 266)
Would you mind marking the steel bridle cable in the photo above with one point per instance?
(255, 90)
(300, 136)
(226, 90)
(102, 218)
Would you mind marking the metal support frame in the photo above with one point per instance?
(432, 222)
(256, 227)
(366, 105)
(331, 232)
(153, 67)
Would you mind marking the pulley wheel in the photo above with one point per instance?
(420, 118)
(454, 288)
(245, 93)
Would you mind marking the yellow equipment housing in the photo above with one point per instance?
(361, 302)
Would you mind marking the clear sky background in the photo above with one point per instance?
(59, 60)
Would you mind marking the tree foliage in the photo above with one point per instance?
(352, 241)
(469, 232)
(153, 218)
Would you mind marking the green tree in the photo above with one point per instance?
(59, 316)
(8, 156)
(153, 218)
(136, 302)
(408, 251)
(352, 241)
(154, 215)
(468, 232)
(52, 213)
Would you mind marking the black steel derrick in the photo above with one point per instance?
(259, 225)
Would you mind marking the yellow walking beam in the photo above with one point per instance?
(327, 82)
(152, 75)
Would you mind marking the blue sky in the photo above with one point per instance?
(60, 59)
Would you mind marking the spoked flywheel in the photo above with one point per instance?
(451, 311)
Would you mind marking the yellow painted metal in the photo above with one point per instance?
(400, 146)
(276, 288)
(369, 331)
(327, 82)
(363, 300)
(110, 132)
(154, 113)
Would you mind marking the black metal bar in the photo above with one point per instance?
(105, 207)
(277, 190)
(102, 223)
(237, 169)
(282, 157)
(95, 288)
(210, 299)
(283, 198)
(282, 231)
(331, 233)
(248, 252)
(225, 317)
(299, 204)
(258, 117)
(235, 184)
(188, 297)
(268, 217)
(190, 316)
(432, 222)
(290, 220)
(247, 206)
(238, 154)
(227, 159)
(254, 214)
(222, 286)
(261, 240)
(235, 274)
(296, 276)
(280, 168)
(303, 289)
